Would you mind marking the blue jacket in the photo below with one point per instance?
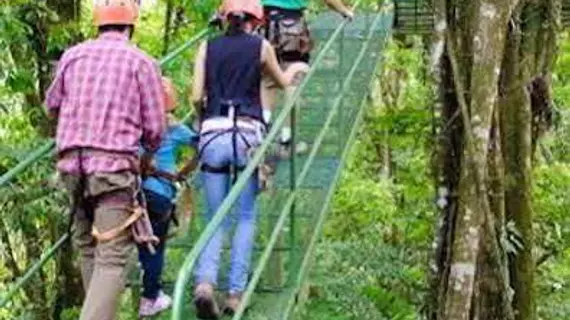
(165, 158)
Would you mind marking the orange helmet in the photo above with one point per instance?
(170, 95)
(108, 12)
(251, 7)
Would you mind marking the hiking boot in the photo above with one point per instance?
(206, 307)
(232, 303)
(151, 307)
(284, 149)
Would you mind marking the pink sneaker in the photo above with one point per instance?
(150, 307)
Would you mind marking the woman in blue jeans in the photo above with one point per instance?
(227, 97)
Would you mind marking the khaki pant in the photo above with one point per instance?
(103, 265)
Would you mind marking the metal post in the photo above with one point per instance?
(340, 81)
(293, 186)
(416, 15)
(274, 273)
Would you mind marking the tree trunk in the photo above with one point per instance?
(447, 134)
(167, 26)
(471, 263)
(516, 128)
(525, 114)
(36, 57)
(499, 71)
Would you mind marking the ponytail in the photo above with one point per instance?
(236, 23)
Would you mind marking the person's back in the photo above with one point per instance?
(175, 136)
(288, 32)
(233, 75)
(226, 93)
(101, 104)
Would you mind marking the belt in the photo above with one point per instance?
(80, 152)
(222, 123)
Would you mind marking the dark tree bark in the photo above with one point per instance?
(69, 289)
(493, 74)
(36, 58)
(471, 279)
(168, 20)
(525, 115)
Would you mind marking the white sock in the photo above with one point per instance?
(286, 134)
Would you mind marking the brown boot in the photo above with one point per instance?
(206, 306)
(232, 303)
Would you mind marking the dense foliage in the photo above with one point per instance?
(374, 259)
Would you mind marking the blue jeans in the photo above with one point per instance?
(218, 153)
(159, 209)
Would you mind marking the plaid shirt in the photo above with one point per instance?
(108, 97)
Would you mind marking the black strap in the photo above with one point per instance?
(79, 201)
(232, 168)
(220, 170)
(281, 13)
(173, 216)
(207, 143)
(235, 152)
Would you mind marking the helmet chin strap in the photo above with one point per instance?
(131, 31)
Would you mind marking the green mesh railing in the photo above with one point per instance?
(326, 109)
(413, 17)
(49, 149)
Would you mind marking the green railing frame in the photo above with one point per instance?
(301, 177)
(226, 206)
(27, 162)
(418, 25)
(48, 148)
(305, 265)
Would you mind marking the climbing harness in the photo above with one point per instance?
(230, 110)
(138, 221)
(78, 199)
(172, 179)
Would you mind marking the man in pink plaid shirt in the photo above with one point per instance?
(108, 98)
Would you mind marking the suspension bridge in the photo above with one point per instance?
(327, 109)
